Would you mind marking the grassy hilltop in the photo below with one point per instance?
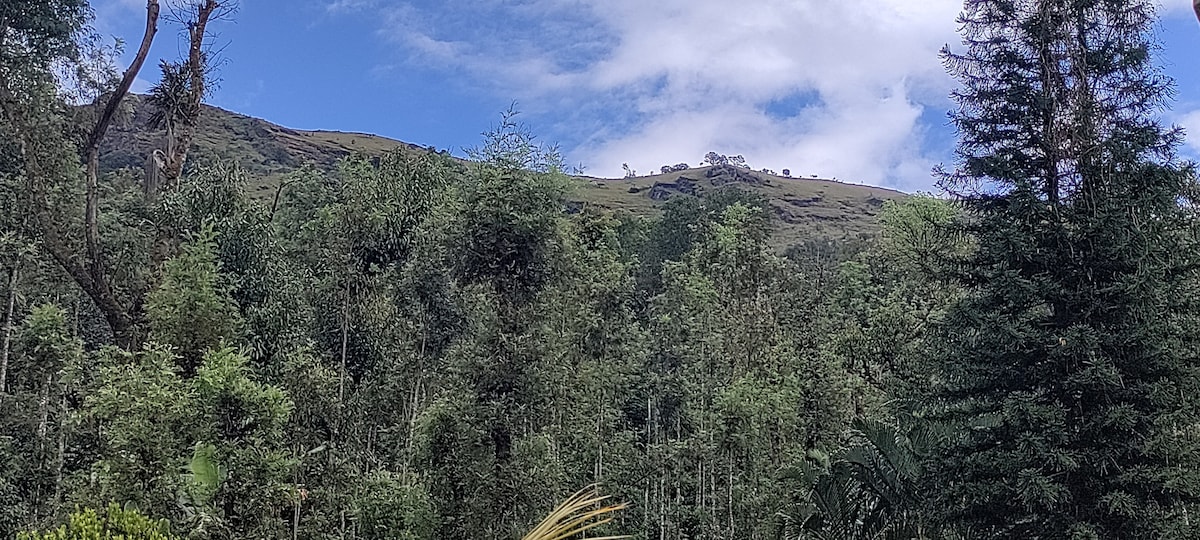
(804, 207)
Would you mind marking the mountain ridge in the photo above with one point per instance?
(805, 207)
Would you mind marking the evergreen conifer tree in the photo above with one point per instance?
(1068, 365)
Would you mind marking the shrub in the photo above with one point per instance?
(113, 523)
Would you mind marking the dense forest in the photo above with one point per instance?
(420, 346)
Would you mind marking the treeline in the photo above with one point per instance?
(413, 348)
(419, 347)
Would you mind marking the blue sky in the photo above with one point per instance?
(851, 89)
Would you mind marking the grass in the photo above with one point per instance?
(805, 207)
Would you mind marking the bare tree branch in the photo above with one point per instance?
(114, 100)
(195, 16)
(101, 292)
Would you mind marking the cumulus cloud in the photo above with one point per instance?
(857, 74)
(829, 88)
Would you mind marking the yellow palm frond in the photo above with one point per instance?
(579, 513)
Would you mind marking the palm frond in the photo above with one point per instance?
(579, 513)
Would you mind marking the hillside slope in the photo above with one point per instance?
(806, 208)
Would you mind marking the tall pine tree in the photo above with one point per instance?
(1069, 363)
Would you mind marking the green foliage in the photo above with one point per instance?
(241, 423)
(170, 97)
(381, 207)
(511, 146)
(868, 489)
(686, 219)
(145, 411)
(190, 310)
(509, 231)
(204, 451)
(416, 347)
(731, 374)
(885, 301)
(394, 507)
(45, 345)
(920, 232)
(113, 523)
(213, 206)
(17, 510)
(45, 365)
(506, 248)
(442, 438)
(1063, 365)
(205, 472)
(241, 408)
(43, 31)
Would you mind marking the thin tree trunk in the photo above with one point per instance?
(415, 400)
(662, 506)
(413, 404)
(598, 469)
(730, 494)
(647, 502)
(342, 393)
(296, 508)
(1051, 82)
(62, 450)
(43, 408)
(92, 276)
(283, 184)
(92, 156)
(345, 340)
(700, 473)
(44, 414)
(8, 330)
(118, 320)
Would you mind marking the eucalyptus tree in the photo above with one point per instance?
(506, 251)
(594, 348)
(363, 252)
(736, 389)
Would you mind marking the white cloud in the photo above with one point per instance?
(820, 87)
(875, 141)
(140, 86)
(870, 67)
(343, 6)
(1172, 8)
(1190, 122)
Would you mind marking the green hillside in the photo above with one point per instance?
(805, 208)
